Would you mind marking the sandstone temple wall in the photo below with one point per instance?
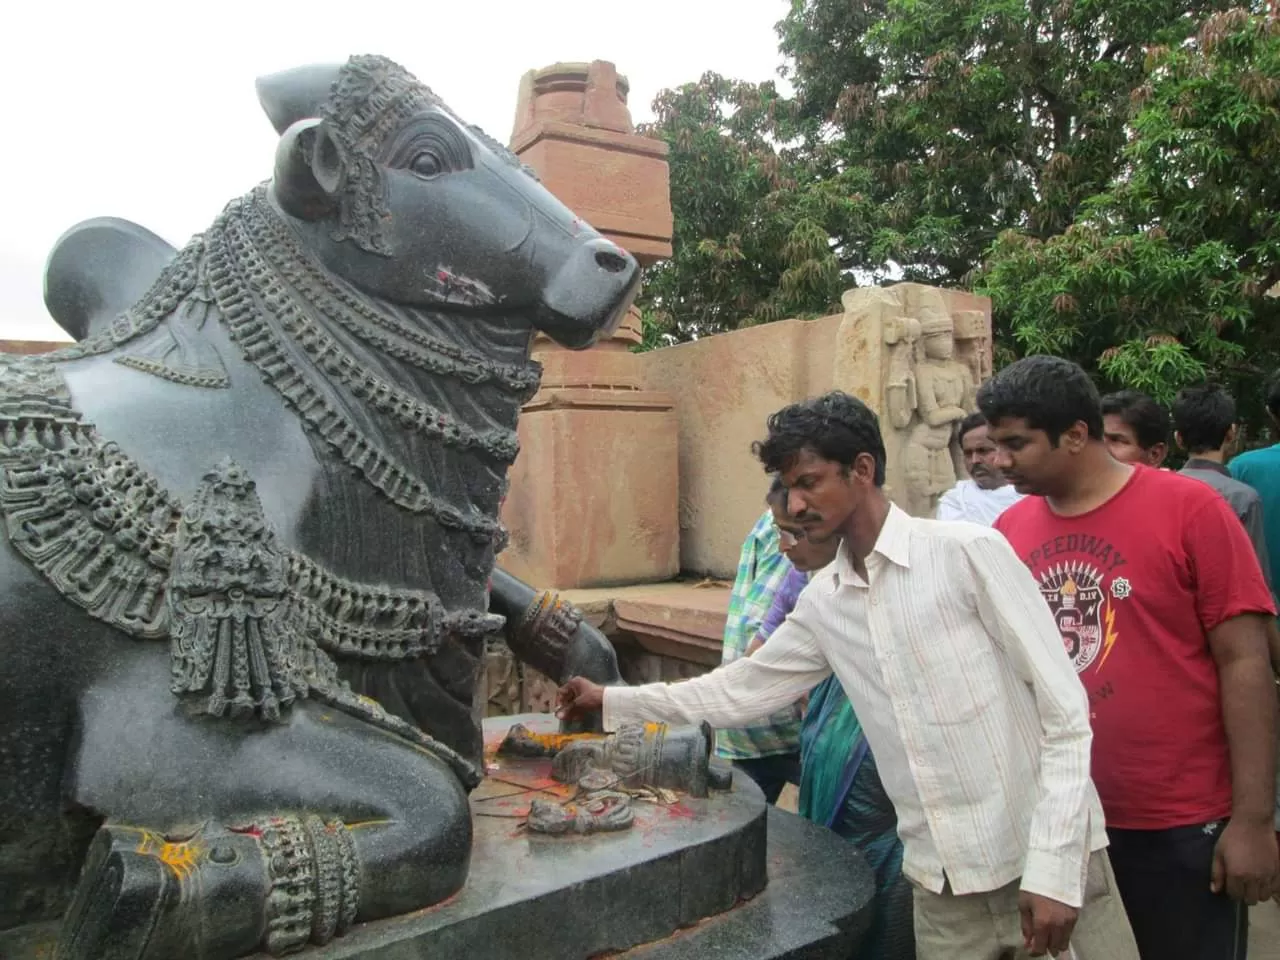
(885, 348)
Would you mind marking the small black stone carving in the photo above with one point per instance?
(598, 811)
(251, 518)
(638, 755)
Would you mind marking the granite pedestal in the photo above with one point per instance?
(725, 877)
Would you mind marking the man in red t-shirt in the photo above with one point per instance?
(1161, 604)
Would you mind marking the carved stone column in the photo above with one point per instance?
(593, 497)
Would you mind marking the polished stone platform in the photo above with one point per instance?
(532, 897)
(687, 881)
(817, 905)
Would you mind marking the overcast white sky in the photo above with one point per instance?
(146, 110)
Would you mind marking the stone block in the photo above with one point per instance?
(618, 183)
(894, 347)
(573, 127)
(590, 95)
(724, 387)
(594, 490)
(678, 622)
(31, 347)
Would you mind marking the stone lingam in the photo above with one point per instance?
(248, 581)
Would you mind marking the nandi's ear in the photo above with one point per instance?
(310, 170)
(328, 161)
(293, 95)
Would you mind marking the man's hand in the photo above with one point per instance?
(754, 645)
(1046, 924)
(579, 695)
(1245, 862)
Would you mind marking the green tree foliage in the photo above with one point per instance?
(1161, 279)
(1103, 170)
(918, 131)
(971, 117)
(752, 229)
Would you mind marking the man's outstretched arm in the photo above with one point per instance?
(785, 668)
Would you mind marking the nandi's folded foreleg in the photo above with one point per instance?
(273, 884)
(218, 893)
(548, 633)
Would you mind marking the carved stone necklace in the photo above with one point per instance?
(254, 291)
(378, 328)
(251, 626)
(269, 292)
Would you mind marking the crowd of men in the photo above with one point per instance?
(1048, 717)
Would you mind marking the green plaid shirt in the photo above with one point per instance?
(761, 570)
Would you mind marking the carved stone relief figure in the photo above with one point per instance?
(973, 349)
(973, 342)
(944, 395)
(915, 353)
(900, 335)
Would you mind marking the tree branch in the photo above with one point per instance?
(1115, 48)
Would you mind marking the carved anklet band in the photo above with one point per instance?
(314, 877)
(544, 633)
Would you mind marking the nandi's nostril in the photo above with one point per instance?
(611, 260)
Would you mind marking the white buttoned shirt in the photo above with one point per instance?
(958, 675)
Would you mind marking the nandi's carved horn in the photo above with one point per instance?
(308, 170)
(298, 94)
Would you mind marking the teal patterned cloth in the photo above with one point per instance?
(840, 788)
(761, 570)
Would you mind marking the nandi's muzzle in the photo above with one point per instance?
(589, 295)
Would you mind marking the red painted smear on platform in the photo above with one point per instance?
(680, 811)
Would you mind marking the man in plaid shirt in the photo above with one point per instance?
(768, 751)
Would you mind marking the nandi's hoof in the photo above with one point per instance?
(139, 898)
(118, 896)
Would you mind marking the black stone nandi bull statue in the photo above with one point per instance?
(251, 525)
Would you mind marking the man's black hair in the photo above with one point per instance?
(835, 426)
(972, 422)
(1272, 395)
(1049, 393)
(1203, 416)
(1147, 419)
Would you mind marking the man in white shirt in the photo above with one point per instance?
(986, 494)
(949, 656)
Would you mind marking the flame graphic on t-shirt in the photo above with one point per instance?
(1110, 635)
(1069, 591)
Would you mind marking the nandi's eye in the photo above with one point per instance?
(429, 146)
(426, 164)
